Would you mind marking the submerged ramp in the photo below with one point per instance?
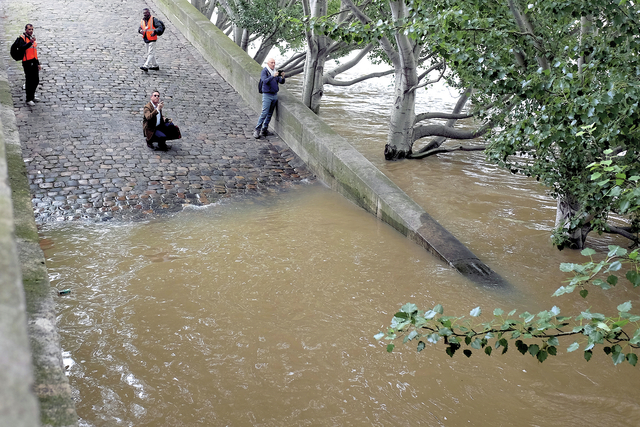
(325, 152)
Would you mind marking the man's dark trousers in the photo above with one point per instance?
(32, 78)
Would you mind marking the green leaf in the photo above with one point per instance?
(568, 267)
(553, 341)
(534, 349)
(433, 338)
(617, 358)
(625, 307)
(633, 277)
(421, 346)
(584, 293)
(475, 312)
(573, 347)
(379, 335)
(438, 309)
(552, 350)
(615, 266)
(587, 355)
(430, 314)
(498, 312)
(409, 308)
(390, 348)
(542, 356)
(616, 251)
(487, 350)
(632, 359)
(445, 332)
(467, 352)
(588, 252)
(450, 351)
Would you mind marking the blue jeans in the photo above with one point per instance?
(269, 102)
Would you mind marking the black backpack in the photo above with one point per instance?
(17, 51)
(160, 28)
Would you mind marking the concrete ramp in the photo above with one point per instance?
(325, 152)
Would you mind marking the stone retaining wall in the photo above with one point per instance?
(18, 405)
(34, 388)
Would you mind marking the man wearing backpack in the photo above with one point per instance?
(150, 28)
(30, 63)
(270, 79)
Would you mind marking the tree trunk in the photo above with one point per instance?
(237, 35)
(566, 211)
(400, 137)
(313, 86)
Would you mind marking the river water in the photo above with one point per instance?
(262, 311)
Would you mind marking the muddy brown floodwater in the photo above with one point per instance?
(262, 312)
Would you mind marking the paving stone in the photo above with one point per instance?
(85, 137)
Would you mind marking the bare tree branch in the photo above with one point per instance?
(428, 82)
(448, 116)
(462, 101)
(449, 132)
(294, 61)
(622, 231)
(422, 155)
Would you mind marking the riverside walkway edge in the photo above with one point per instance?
(18, 404)
(35, 390)
(326, 153)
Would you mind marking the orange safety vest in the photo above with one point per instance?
(32, 52)
(148, 30)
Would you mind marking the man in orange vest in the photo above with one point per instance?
(150, 28)
(30, 64)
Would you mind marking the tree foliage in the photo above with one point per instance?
(542, 72)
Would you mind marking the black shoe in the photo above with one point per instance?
(150, 145)
(154, 68)
(163, 147)
(256, 134)
(265, 132)
(145, 69)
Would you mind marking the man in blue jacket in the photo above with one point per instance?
(270, 80)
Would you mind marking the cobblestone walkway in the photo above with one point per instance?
(83, 146)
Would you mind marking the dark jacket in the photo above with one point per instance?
(269, 82)
(157, 24)
(149, 120)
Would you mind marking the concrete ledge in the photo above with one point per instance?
(18, 404)
(29, 342)
(325, 152)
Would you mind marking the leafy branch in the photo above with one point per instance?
(618, 335)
